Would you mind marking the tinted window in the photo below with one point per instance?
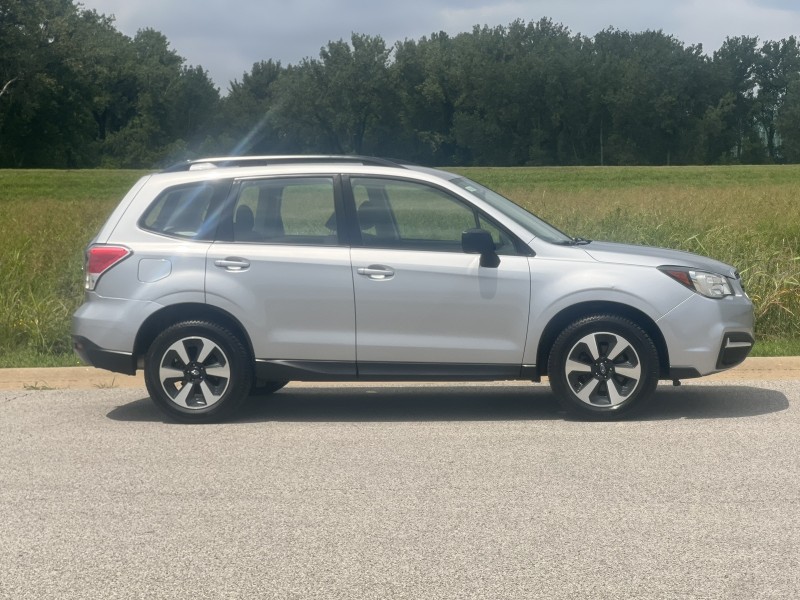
(286, 211)
(404, 214)
(188, 211)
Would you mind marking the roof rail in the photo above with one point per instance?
(262, 161)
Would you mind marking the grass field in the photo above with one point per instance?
(746, 216)
(47, 219)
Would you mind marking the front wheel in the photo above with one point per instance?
(603, 367)
(198, 372)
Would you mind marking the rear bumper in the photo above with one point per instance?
(110, 360)
(104, 331)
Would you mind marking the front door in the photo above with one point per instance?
(419, 298)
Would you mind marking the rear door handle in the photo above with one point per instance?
(232, 263)
(376, 272)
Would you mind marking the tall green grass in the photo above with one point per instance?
(46, 220)
(746, 216)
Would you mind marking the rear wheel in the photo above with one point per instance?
(603, 367)
(198, 372)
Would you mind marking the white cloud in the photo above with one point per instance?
(711, 21)
(580, 16)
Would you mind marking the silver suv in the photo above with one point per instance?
(225, 278)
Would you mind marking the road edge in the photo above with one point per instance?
(62, 378)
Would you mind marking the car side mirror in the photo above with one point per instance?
(479, 241)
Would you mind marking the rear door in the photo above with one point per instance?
(282, 269)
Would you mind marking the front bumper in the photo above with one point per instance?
(705, 336)
(735, 348)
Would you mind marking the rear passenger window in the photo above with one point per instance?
(286, 211)
(188, 211)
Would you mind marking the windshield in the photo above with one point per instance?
(541, 229)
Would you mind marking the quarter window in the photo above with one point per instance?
(187, 211)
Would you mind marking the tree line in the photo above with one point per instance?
(75, 92)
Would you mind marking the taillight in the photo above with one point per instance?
(100, 259)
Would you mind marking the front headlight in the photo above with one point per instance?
(710, 285)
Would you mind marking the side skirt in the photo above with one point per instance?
(316, 370)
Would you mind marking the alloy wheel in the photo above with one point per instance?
(194, 372)
(603, 369)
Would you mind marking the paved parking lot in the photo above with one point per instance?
(469, 491)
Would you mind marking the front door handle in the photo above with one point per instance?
(233, 263)
(376, 272)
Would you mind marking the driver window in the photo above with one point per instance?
(406, 214)
(402, 214)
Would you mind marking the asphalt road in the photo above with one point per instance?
(402, 492)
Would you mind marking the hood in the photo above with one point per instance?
(647, 256)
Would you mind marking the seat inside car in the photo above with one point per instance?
(243, 225)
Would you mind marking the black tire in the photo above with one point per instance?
(263, 388)
(198, 372)
(603, 367)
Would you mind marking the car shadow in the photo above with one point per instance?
(471, 403)
(712, 402)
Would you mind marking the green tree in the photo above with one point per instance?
(45, 104)
(777, 67)
(75, 92)
(788, 122)
(340, 102)
(650, 92)
(247, 112)
(171, 108)
(519, 94)
(424, 75)
(734, 66)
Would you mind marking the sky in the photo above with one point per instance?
(227, 38)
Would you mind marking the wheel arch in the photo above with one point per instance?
(176, 313)
(578, 311)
